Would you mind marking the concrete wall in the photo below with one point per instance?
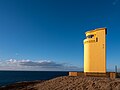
(76, 74)
(107, 74)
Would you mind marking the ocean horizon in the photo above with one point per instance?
(10, 77)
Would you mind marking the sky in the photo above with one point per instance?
(48, 35)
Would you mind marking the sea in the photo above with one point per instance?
(10, 77)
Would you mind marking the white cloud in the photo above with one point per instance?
(12, 61)
(41, 65)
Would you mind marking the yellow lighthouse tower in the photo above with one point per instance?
(95, 55)
(95, 51)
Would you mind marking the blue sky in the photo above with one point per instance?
(52, 31)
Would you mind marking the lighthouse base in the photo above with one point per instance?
(89, 74)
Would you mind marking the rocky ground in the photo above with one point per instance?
(73, 83)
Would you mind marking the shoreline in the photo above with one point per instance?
(23, 84)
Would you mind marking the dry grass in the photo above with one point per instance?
(80, 83)
(70, 83)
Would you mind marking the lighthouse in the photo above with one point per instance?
(95, 51)
(95, 55)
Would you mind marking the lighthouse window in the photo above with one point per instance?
(96, 39)
(90, 36)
